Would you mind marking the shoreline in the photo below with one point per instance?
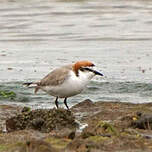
(109, 126)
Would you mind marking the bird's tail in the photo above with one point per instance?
(32, 85)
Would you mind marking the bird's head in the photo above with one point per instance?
(85, 66)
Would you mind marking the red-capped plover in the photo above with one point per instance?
(66, 81)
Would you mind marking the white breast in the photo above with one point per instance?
(71, 86)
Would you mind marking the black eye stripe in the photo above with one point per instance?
(86, 69)
(82, 69)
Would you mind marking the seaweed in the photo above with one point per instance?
(5, 94)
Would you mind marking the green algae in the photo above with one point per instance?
(58, 143)
(3, 148)
(107, 128)
(5, 94)
(12, 147)
(97, 139)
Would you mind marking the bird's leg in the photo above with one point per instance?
(65, 102)
(56, 102)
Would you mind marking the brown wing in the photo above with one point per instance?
(56, 77)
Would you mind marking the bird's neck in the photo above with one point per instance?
(86, 75)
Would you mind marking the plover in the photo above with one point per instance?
(66, 81)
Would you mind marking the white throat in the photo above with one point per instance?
(86, 76)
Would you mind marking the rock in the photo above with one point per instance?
(84, 104)
(10, 125)
(37, 123)
(102, 128)
(108, 129)
(39, 146)
(33, 146)
(84, 109)
(64, 133)
(26, 109)
(144, 121)
(77, 145)
(44, 120)
(6, 112)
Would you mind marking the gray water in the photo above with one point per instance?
(37, 36)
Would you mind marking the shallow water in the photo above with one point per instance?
(36, 36)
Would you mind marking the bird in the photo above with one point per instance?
(66, 81)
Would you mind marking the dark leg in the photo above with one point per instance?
(65, 102)
(56, 102)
